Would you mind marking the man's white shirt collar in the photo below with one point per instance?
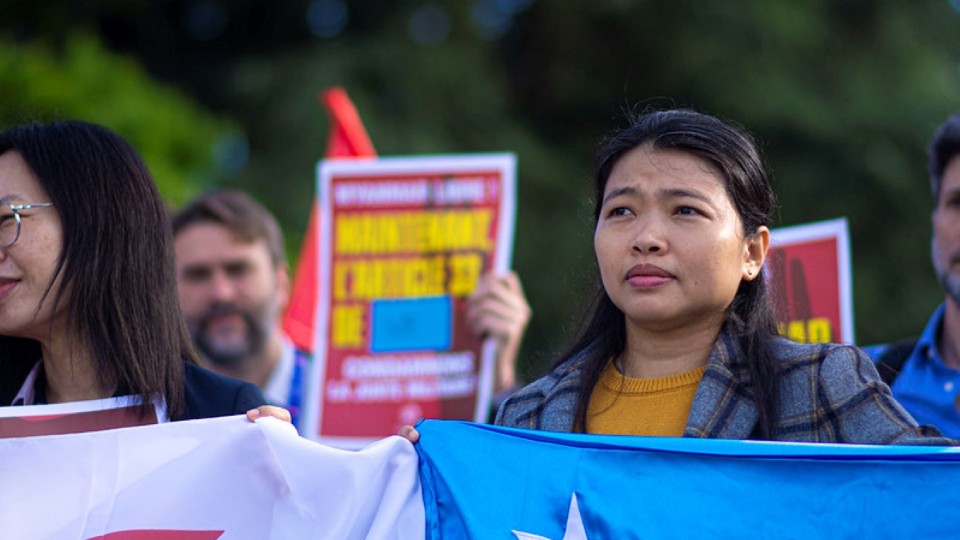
(277, 389)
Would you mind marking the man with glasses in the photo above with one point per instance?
(234, 284)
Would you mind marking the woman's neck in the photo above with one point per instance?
(70, 373)
(661, 353)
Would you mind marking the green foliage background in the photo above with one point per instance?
(842, 96)
(81, 80)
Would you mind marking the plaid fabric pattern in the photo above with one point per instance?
(828, 393)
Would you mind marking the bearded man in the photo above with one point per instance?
(924, 372)
(234, 283)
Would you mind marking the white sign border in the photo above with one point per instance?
(326, 169)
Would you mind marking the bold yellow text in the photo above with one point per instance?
(816, 330)
(413, 232)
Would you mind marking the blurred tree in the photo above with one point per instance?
(83, 81)
(842, 96)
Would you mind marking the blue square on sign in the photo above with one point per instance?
(411, 324)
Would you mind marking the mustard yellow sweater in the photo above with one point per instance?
(656, 407)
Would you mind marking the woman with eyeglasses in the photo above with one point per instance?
(88, 299)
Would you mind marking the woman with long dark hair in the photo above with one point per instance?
(681, 338)
(88, 298)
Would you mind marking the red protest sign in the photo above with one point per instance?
(404, 242)
(809, 272)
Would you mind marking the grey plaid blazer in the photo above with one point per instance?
(828, 393)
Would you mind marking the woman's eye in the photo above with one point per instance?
(620, 211)
(688, 211)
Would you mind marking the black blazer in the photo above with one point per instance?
(210, 395)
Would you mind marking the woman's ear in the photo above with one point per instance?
(755, 252)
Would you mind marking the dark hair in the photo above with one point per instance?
(238, 212)
(733, 152)
(115, 265)
(944, 145)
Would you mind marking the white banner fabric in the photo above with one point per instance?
(223, 478)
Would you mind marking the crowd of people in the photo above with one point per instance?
(104, 294)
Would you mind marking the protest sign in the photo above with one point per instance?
(403, 242)
(809, 272)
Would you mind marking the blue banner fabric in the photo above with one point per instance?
(482, 481)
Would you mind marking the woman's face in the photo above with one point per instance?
(669, 242)
(27, 266)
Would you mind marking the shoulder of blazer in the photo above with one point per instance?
(210, 394)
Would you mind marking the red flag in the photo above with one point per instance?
(348, 138)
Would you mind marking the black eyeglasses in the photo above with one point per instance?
(11, 221)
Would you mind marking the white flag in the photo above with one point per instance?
(223, 478)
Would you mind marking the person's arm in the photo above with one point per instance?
(498, 309)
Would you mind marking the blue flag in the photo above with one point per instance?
(482, 481)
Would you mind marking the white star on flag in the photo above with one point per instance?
(574, 531)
